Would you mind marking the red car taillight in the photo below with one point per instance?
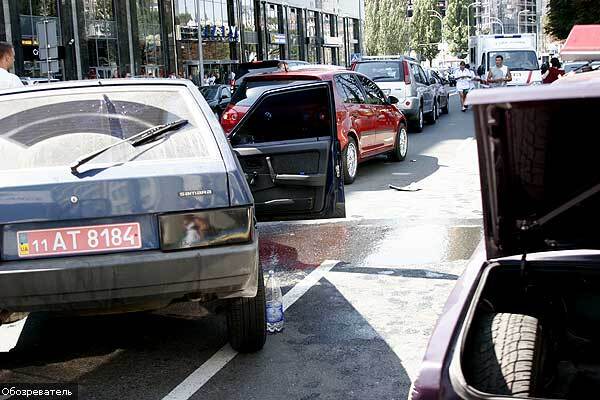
(229, 119)
(406, 72)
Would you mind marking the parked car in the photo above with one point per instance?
(442, 97)
(369, 123)
(217, 97)
(405, 79)
(262, 66)
(137, 201)
(522, 321)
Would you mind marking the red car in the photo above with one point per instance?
(368, 121)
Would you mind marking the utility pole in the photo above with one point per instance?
(200, 49)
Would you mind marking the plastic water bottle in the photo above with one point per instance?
(274, 301)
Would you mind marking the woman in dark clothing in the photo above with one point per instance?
(554, 72)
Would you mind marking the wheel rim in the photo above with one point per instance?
(439, 112)
(435, 111)
(403, 142)
(351, 159)
(421, 118)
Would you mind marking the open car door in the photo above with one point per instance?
(288, 148)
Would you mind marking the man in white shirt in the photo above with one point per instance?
(463, 78)
(7, 59)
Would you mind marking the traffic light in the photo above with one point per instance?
(442, 7)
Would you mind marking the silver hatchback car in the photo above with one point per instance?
(404, 78)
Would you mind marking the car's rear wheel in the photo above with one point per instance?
(246, 320)
(419, 124)
(446, 108)
(504, 354)
(350, 161)
(401, 146)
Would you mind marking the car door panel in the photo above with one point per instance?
(288, 148)
(383, 119)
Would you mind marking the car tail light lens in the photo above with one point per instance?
(206, 228)
(406, 72)
(229, 119)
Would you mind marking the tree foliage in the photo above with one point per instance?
(426, 33)
(456, 29)
(563, 14)
(386, 27)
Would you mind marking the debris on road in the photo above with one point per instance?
(409, 188)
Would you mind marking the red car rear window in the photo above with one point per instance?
(249, 91)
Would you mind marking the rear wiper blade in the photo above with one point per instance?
(138, 139)
(381, 77)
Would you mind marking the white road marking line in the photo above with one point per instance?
(9, 335)
(194, 382)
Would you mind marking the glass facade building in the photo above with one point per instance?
(159, 38)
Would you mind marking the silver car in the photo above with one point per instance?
(404, 78)
(442, 97)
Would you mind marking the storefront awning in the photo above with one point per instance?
(583, 44)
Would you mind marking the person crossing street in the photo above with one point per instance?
(463, 78)
(499, 74)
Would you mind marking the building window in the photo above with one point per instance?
(353, 32)
(30, 13)
(311, 33)
(343, 57)
(294, 32)
(248, 20)
(149, 39)
(102, 37)
(275, 37)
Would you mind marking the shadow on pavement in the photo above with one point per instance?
(326, 351)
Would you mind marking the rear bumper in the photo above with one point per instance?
(410, 107)
(128, 281)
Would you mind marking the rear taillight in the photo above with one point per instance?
(229, 119)
(406, 72)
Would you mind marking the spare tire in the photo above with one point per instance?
(504, 353)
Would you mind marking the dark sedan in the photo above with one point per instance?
(523, 320)
(217, 97)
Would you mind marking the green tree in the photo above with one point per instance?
(426, 33)
(386, 27)
(563, 14)
(456, 29)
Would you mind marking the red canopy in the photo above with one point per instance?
(583, 44)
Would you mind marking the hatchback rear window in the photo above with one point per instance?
(249, 91)
(65, 124)
(382, 71)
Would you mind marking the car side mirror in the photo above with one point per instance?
(393, 100)
(480, 70)
(432, 81)
(224, 96)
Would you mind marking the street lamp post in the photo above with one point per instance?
(527, 13)
(439, 16)
(476, 4)
(497, 21)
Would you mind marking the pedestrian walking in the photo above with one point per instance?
(554, 72)
(7, 60)
(463, 78)
(499, 74)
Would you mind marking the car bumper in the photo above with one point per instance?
(128, 281)
(409, 107)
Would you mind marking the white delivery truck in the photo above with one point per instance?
(518, 50)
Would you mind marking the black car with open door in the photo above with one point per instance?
(144, 168)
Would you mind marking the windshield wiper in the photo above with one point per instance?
(145, 136)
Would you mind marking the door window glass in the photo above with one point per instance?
(349, 89)
(374, 94)
(290, 115)
(416, 74)
(423, 75)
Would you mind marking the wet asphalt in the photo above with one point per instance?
(358, 333)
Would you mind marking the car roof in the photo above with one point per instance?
(304, 73)
(586, 85)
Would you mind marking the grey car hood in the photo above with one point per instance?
(538, 157)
